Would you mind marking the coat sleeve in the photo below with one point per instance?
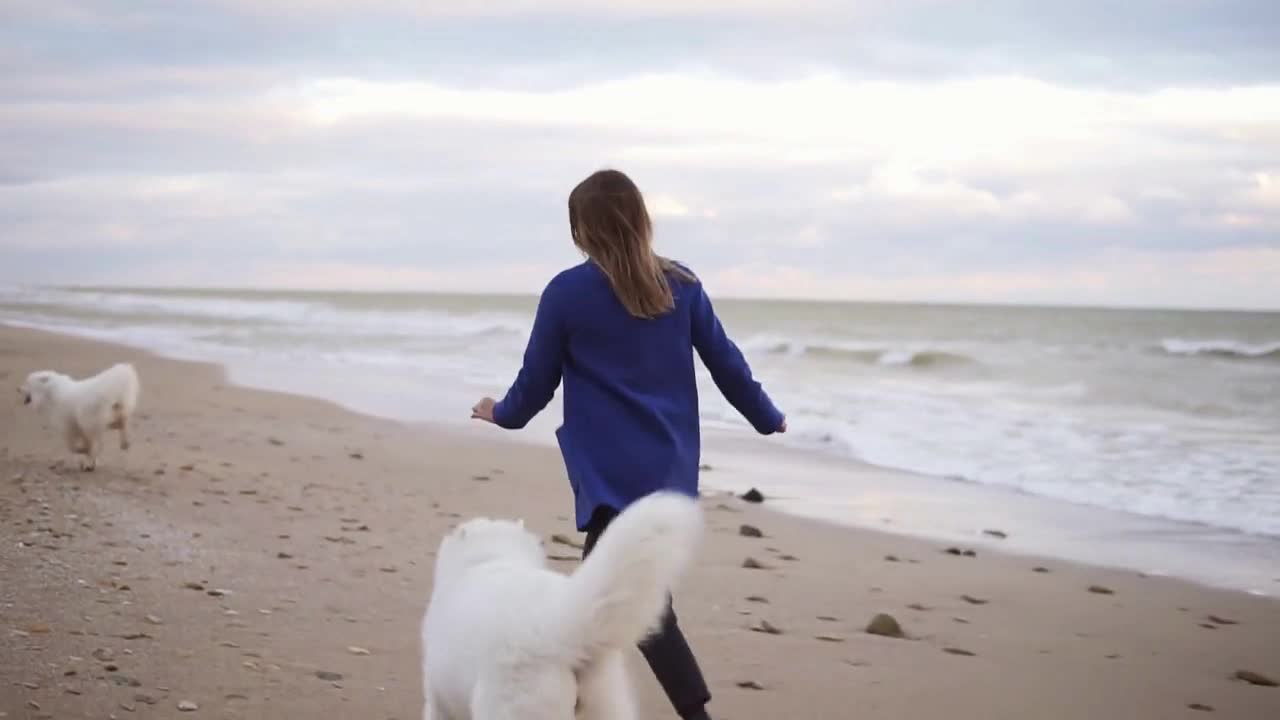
(729, 369)
(540, 372)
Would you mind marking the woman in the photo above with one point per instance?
(620, 331)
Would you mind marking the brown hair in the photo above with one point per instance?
(610, 224)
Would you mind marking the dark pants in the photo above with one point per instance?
(667, 651)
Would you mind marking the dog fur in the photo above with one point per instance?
(84, 410)
(507, 638)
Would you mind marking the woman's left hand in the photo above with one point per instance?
(483, 410)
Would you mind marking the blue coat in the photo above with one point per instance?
(630, 395)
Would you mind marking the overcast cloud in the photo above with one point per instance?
(924, 150)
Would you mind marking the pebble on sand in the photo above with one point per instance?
(974, 600)
(885, 625)
(753, 496)
(750, 531)
(1200, 706)
(766, 627)
(750, 685)
(1219, 620)
(999, 534)
(754, 564)
(328, 676)
(357, 650)
(958, 651)
(1254, 678)
(1101, 590)
(187, 706)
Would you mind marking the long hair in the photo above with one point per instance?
(611, 226)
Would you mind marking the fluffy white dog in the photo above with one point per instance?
(84, 410)
(507, 638)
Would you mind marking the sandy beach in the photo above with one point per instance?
(260, 555)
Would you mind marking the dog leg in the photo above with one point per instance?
(604, 691)
(120, 421)
(77, 443)
(75, 439)
(90, 463)
(431, 709)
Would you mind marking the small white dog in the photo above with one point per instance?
(507, 638)
(83, 410)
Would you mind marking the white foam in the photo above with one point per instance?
(1221, 347)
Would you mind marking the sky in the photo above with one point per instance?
(1005, 151)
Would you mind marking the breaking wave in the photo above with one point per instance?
(919, 357)
(1229, 349)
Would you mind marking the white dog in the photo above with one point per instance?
(83, 410)
(507, 638)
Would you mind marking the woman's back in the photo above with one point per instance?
(609, 347)
(630, 393)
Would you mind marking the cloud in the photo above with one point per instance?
(1142, 44)
(1240, 277)
(502, 8)
(846, 149)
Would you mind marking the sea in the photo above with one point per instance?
(1133, 423)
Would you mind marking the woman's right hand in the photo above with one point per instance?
(483, 410)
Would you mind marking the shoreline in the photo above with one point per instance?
(263, 555)
(854, 493)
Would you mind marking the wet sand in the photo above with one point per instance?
(260, 555)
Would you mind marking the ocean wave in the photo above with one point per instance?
(923, 357)
(1230, 349)
(1147, 464)
(166, 305)
(285, 315)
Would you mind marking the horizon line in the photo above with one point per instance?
(1038, 305)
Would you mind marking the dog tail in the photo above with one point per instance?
(617, 597)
